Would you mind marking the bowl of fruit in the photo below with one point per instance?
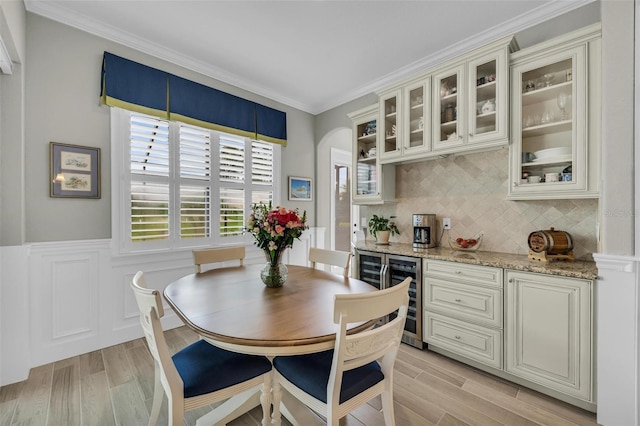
(466, 244)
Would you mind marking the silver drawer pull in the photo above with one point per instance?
(458, 300)
(457, 337)
(458, 272)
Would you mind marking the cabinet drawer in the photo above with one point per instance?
(475, 342)
(485, 275)
(464, 301)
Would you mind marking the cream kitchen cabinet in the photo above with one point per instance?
(391, 114)
(463, 310)
(406, 110)
(555, 94)
(549, 332)
(470, 107)
(369, 184)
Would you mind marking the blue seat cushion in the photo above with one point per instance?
(311, 374)
(205, 368)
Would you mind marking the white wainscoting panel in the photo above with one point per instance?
(73, 297)
(66, 282)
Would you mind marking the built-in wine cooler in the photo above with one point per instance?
(386, 270)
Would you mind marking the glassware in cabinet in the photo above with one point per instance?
(554, 152)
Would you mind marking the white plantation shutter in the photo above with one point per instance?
(232, 168)
(261, 163)
(185, 186)
(231, 212)
(195, 153)
(195, 212)
(195, 177)
(149, 192)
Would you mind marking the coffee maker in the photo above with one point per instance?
(424, 231)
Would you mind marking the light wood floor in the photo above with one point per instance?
(115, 386)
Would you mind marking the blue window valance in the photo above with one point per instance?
(136, 87)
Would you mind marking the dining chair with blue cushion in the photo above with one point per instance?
(359, 368)
(199, 374)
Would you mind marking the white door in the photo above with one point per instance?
(341, 207)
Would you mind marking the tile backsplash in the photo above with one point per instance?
(471, 189)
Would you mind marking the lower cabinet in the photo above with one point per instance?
(463, 310)
(533, 329)
(548, 331)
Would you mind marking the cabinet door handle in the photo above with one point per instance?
(458, 272)
(515, 184)
(511, 280)
(457, 337)
(458, 300)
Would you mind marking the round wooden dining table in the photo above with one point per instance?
(233, 309)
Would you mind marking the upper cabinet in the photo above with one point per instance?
(369, 184)
(459, 106)
(471, 102)
(391, 115)
(555, 95)
(406, 111)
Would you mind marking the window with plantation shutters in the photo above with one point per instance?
(185, 186)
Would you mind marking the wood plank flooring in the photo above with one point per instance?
(114, 386)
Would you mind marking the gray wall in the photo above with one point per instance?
(63, 75)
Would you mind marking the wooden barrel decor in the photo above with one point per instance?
(551, 242)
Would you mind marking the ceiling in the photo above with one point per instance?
(312, 55)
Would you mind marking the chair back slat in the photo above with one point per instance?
(151, 310)
(216, 255)
(338, 258)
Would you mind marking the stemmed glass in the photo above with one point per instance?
(562, 104)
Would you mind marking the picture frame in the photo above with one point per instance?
(75, 171)
(300, 189)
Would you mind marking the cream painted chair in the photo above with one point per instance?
(214, 255)
(359, 368)
(199, 374)
(341, 259)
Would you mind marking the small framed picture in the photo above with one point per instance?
(75, 171)
(300, 189)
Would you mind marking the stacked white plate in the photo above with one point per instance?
(553, 154)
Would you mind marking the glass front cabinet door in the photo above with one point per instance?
(448, 106)
(391, 125)
(555, 124)
(417, 118)
(471, 101)
(369, 186)
(488, 99)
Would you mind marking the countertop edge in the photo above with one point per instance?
(581, 269)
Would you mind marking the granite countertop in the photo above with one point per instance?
(577, 269)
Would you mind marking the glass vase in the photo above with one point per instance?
(274, 273)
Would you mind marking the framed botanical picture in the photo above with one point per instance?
(75, 171)
(300, 189)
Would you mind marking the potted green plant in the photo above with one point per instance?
(381, 228)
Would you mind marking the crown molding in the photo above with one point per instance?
(510, 27)
(66, 16)
(82, 22)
